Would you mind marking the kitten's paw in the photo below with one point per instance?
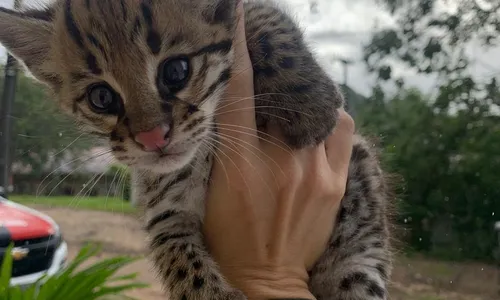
(300, 129)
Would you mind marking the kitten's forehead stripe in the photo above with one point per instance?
(223, 47)
(136, 29)
(73, 30)
(147, 14)
(153, 39)
(92, 64)
(124, 10)
(77, 37)
(223, 78)
(95, 41)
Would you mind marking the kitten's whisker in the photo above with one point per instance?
(247, 108)
(67, 146)
(273, 107)
(195, 164)
(75, 199)
(232, 161)
(234, 100)
(287, 149)
(111, 184)
(64, 178)
(212, 151)
(122, 184)
(38, 191)
(251, 133)
(89, 190)
(235, 145)
(258, 96)
(263, 179)
(228, 138)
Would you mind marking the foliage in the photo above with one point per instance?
(445, 146)
(39, 130)
(449, 164)
(97, 281)
(431, 36)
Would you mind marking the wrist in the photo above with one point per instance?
(271, 284)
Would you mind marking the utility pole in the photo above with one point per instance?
(345, 63)
(9, 91)
(497, 255)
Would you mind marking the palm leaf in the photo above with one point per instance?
(95, 282)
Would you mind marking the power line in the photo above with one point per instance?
(9, 91)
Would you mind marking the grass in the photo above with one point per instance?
(108, 204)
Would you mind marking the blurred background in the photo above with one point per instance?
(420, 77)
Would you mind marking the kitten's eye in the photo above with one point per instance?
(102, 99)
(174, 73)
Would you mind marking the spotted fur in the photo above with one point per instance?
(74, 44)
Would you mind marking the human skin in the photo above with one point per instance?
(270, 210)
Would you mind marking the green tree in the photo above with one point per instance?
(431, 37)
(449, 164)
(446, 146)
(40, 131)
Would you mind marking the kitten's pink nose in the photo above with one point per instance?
(153, 139)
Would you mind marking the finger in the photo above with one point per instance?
(339, 144)
(242, 59)
(235, 114)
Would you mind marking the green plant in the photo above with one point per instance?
(97, 281)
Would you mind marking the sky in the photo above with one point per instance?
(341, 28)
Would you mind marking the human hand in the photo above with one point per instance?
(270, 211)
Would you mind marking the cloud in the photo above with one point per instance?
(340, 28)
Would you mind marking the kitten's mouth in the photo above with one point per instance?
(162, 158)
(169, 159)
(164, 154)
(171, 151)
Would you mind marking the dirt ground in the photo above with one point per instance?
(413, 279)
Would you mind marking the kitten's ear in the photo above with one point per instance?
(220, 11)
(27, 36)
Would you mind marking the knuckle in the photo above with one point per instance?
(319, 183)
(338, 189)
(346, 122)
(327, 187)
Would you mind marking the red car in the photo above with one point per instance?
(39, 247)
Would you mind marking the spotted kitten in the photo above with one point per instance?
(149, 75)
